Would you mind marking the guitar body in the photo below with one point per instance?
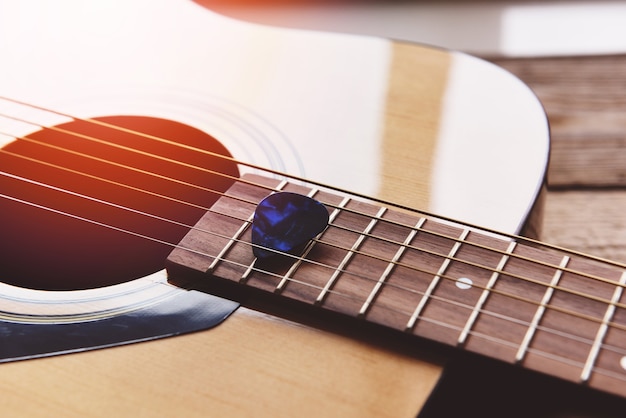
(422, 127)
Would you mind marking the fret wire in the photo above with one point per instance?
(426, 319)
(518, 321)
(519, 356)
(331, 282)
(497, 340)
(495, 291)
(269, 188)
(501, 252)
(608, 316)
(383, 278)
(516, 297)
(244, 277)
(434, 297)
(610, 373)
(308, 248)
(480, 266)
(477, 334)
(485, 294)
(444, 266)
(445, 277)
(514, 256)
(450, 301)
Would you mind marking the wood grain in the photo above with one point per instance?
(222, 372)
(412, 124)
(585, 102)
(591, 221)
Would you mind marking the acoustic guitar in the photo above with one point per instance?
(137, 139)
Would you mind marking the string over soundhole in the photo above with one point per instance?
(92, 203)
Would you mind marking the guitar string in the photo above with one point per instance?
(583, 295)
(348, 296)
(519, 239)
(537, 262)
(369, 235)
(510, 319)
(334, 188)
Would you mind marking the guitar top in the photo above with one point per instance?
(111, 111)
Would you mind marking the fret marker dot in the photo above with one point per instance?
(464, 283)
(622, 362)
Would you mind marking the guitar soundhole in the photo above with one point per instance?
(46, 244)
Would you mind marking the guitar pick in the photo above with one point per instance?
(285, 222)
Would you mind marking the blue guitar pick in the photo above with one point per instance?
(285, 222)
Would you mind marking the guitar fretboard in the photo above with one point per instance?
(544, 309)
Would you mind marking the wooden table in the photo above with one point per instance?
(585, 99)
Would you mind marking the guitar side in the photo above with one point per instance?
(257, 364)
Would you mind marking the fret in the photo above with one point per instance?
(609, 368)
(281, 285)
(249, 270)
(330, 283)
(236, 236)
(563, 343)
(519, 356)
(608, 316)
(485, 294)
(433, 284)
(391, 266)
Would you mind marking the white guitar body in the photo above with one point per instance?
(425, 128)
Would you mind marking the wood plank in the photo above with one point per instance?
(585, 103)
(585, 100)
(590, 221)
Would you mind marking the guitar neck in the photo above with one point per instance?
(508, 298)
